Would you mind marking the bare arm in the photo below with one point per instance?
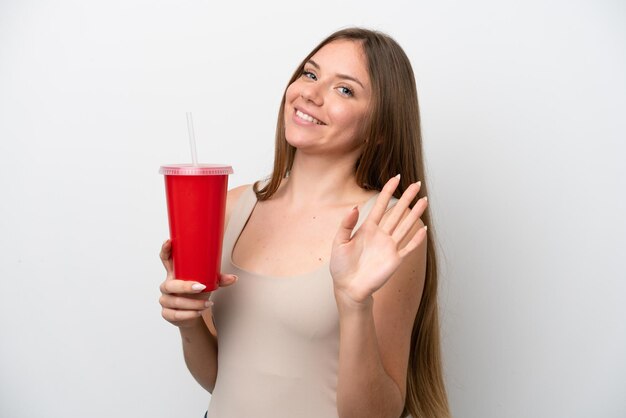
(378, 287)
(184, 306)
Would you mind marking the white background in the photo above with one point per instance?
(523, 107)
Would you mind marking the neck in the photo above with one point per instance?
(321, 179)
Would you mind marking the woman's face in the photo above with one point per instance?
(325, 107)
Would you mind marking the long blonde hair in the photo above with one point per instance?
(393, 145)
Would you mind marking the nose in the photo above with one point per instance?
(311, 93)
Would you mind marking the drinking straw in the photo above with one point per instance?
(192, 140)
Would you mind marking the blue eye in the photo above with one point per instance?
(309, 74)
(346, 91)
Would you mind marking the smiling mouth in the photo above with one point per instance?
(308, 118)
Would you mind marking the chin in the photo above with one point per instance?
(296, 138)
(296, 141)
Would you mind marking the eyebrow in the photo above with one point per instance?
(344, 76)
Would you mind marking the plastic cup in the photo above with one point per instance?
(196, 201)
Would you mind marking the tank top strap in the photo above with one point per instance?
(238, 218)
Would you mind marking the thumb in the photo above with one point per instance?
(347, 225)
(166, 257)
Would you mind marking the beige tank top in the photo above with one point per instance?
(278, 338)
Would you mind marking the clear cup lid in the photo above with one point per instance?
(197, 170)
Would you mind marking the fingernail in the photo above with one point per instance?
(398, 176)
(419, 183)
(425, 198)
(355, 207)
(235, 277)
(208, 303)
(198, 286)
(425, 227)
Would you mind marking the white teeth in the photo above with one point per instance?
(306, 117)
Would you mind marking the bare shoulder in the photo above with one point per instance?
(235, 192)
(232, 198)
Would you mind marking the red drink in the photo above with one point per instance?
(196, 201)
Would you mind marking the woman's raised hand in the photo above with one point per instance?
(182, 300)
(363, 263)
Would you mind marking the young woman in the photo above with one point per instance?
(329, 307)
